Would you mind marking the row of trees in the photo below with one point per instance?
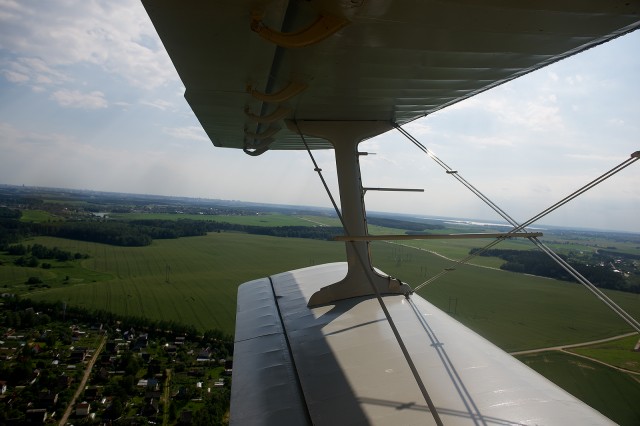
(42, 252)
(538, 263)
(143, 232)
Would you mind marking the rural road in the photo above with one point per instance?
(574, 345)
(564, 348)
(83, 382)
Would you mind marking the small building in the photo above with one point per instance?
(110, 347)
(78, 355)
(151, 408)
(204, 356)
(92, 393)
(36, 416)
(64, 381)
(47, 399)
(7, 354)
(141, 342)
(83, 409)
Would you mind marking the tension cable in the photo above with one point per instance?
(318, 170)
(518, 227)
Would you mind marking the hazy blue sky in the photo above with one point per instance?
(90, 100)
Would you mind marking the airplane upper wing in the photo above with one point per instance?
(386, 60)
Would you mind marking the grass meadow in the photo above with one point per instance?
(615, 353)
(38, 216)
(514, 311)
(192, 280)
(611, 392)
(267, 219)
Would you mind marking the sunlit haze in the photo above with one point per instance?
(90, 100)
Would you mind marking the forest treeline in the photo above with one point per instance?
(538, 263)
(142, 232)
(413, 227)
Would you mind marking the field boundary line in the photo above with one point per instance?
(597, 361)
(447, 258)
(564, 349)
(573, 345)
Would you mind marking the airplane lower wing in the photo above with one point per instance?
(340, 364)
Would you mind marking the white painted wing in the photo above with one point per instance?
(341, 365)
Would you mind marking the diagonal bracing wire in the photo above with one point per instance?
(634, 157)
(394, 329)
(518, 227)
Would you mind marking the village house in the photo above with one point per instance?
(36, 416)
(83, 409)
(47, 399)
(78, 355)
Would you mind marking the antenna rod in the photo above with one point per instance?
(394, 189)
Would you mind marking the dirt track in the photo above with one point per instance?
(83, 382)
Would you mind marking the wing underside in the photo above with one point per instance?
(386, 60)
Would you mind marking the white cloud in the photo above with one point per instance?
(116, 36)
(610, 160)
(77, 99)
(575, 79)
(160, 104)
(18, 141)
(418, 128)
(190, 132)
(15, 77)
(33, 70)
(615, 122)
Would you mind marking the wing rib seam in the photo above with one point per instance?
(293, 361)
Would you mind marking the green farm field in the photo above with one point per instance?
(613, 393)
(267, 219)
(194, 280)
(617, 353)
(191, 280)
(38, 216)
(514, 311)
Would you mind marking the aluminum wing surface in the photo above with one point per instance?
(340, 364)
(388, 60)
